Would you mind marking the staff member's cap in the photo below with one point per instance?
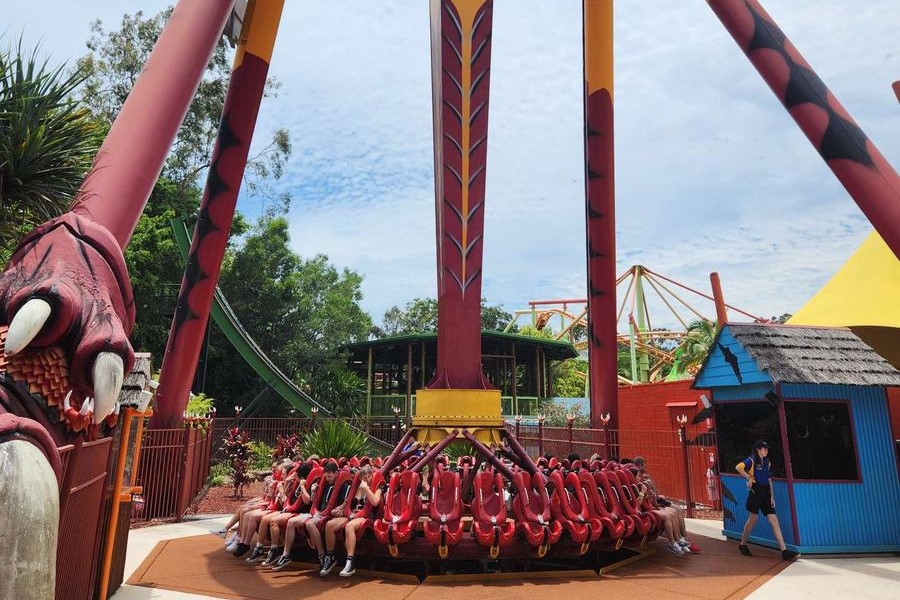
(759, 444)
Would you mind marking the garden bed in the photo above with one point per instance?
(220, 500)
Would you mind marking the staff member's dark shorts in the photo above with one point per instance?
(759, 499)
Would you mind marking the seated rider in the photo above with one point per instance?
(351, 518)
(672, 517)
(312, 524)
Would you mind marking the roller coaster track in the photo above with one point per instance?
(240, 339)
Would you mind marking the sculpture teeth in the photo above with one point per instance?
(109, 372)
(26, 324)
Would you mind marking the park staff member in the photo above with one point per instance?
(756, 469)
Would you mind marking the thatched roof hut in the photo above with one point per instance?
(792, 354)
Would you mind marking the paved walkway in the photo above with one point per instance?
(865, 578)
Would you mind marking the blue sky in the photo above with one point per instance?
(711, 172)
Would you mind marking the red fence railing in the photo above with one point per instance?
(679, 465)
(268, 429)
(173, 468)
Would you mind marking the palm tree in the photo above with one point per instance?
(47, 143)
(696, 344)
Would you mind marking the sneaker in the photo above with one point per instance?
(220, 532)
(328, 562)
(676, 549)
(281, 563)
(274, 553)
(232, 539)
(789, 555)
(348, 569)
(240, 550)
(694, 548)
(683, 542)
(745, 550)
(685, 549)
(258, 555)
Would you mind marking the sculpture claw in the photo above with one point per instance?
(109, 372)
(26, 324)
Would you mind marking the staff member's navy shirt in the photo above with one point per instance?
(758, 469)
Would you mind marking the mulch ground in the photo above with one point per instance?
(221, 500)
(199, 565)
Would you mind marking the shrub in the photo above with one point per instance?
(458, 449)
(236, 448)
(286, 447)
(219, 474)
(260, 456)
(335, 438)
(200, 405)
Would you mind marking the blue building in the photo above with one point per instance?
(818, 397)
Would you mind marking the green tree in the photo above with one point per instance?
(112, 66)
(47, 143)
(420, 315)
(569, 377)
(697, 342)
(300, 311)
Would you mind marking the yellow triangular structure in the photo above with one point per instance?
(863, 295)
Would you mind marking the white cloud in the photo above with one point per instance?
(711, 173)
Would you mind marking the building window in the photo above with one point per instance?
(739, 424)
(820, 435)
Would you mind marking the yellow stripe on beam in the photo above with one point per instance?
(259, 30)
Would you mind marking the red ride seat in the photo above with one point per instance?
(344, 476)
(368, 512)
(315, 473)
(614, 529)
(610, 500)
(531, 506)
(490, 526)
(572, 508)
(644, 522)
(641, 503)
(401, 511)
(445, 509)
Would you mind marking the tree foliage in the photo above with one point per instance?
(420, 315)
(556, 414)
(697, 342)
(47, 143)
(112, 66)
(300, 311)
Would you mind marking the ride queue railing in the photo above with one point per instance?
(685, 470)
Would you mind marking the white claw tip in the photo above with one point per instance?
(109, 372)
(86, 407)
(26, 324)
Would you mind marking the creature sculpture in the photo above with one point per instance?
(66, 298)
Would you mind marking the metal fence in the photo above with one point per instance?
(269, 429)
(683, 469)
(173, 468)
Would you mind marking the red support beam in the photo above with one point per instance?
(853, 158)
(223, 183)
(600, 208)
(129, 162)
(461, 60)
